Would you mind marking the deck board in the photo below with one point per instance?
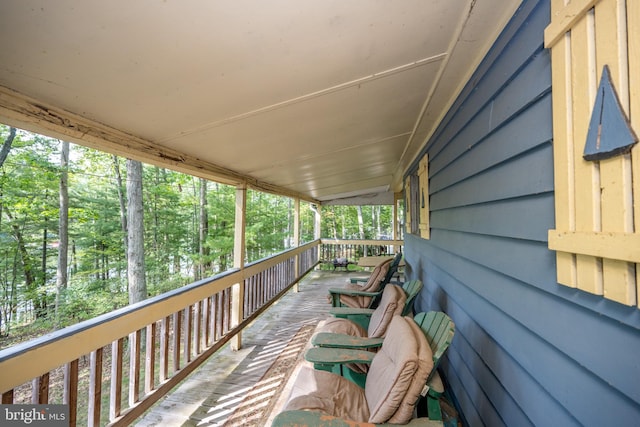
(211, 394)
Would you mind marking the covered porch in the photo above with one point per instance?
(474, 113)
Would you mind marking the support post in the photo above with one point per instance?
(316, 226)
(296, 239)
(396, 224)
(237, 291)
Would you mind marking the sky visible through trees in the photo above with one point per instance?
(188, 230)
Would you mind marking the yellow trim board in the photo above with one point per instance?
(618, 246)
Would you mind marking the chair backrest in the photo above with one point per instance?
(393, 268)
(377, 276)
(411, 288)
(402, 360)
(439, 330)
(392, 304)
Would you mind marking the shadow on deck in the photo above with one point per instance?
(242, 388)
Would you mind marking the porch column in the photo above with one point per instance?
(296, 239)
(237, 292)
(316, 226)
(396, 226)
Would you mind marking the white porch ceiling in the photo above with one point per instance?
(322, 99)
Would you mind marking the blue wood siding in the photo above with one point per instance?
(527, 350)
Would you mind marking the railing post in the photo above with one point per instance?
(237, 299)
(396, 226)
(296, 240)
(318, 223)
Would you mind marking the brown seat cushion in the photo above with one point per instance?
(328, 393)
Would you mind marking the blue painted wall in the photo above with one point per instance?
(527, 350)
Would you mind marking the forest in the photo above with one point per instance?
(73, 219)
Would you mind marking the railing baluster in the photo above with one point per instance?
(188, 333)
(214, 322)
(164, 349)
(134, 367)
(95, 388)
(70, 394)
(150, 359)
(115, 390)
(40, 390)
(206, 310)
(197, 327)
(177, 331)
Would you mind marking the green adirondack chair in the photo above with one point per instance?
(357, 296)
(393, 269)
(362, 316)
(438, 329)
(395, 380)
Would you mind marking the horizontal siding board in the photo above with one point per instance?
(467, 157)
(526, 86)
(502, 307)
(512, 58)
(521, 176)
(527, 218)
(481, 400)
(525, 261)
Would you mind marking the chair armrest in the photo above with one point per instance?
(436, 387)
(358, 279)
(316, 418)
(353, 292)
(345, 312)
(331, 340)
(328, 357)
(337, 292)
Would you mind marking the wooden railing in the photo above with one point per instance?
(353, 250)
(110, 369)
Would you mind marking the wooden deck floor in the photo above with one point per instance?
(224, 390)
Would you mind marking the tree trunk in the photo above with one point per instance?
(121, 199)
(360, 222)
(204, 231)
(135, 235)
(27, 265)
(63, 227)
(6, 146)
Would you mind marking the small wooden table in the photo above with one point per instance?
(373, 261)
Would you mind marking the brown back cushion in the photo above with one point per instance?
(425, 364)
(391, 304)
(392, 370)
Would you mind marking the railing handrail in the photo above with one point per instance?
(328, 241)
(55, 349)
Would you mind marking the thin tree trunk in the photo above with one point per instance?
(204, 230)
(135, 235)
(121, 199)
(27, 265)
(6, 146)
(63, 228)
(360, 222)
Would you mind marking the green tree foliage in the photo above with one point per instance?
(341, 222)
(97, 259)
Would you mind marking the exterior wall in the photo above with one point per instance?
(527, 350)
